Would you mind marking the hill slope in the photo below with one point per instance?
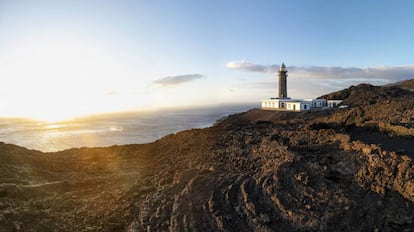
(343, 170)
(407, 84)
(366, 94)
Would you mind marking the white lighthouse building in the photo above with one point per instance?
(285, 103)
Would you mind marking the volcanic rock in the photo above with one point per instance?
(334, 170)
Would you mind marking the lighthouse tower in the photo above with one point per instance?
(285, 103)
(282, 74)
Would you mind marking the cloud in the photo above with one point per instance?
(375, 74)
(177, 80)
(313, 81)
(379, 73)
(251, 67)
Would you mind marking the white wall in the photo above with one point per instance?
(290, 105)
(305, 106)
(318, 102)
(271, 104)
(333, 103)
(294, 106)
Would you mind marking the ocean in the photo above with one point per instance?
(110, 129)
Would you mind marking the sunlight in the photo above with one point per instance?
(61, 78)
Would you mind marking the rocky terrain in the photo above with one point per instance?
(336, 170)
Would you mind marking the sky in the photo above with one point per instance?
(61, 59)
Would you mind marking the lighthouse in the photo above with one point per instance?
(284, 103)
(282, 74)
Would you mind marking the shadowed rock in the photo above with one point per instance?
(336, 170)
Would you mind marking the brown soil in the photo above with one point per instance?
(338, 170)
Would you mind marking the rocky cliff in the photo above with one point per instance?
(338, 170)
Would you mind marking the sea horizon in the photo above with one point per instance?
(109, 129)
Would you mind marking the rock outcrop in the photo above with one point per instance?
(337, 170)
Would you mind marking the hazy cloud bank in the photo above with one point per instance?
(251, 67)
(177, 80)
(380, 74)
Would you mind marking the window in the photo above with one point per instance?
(304, 107)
